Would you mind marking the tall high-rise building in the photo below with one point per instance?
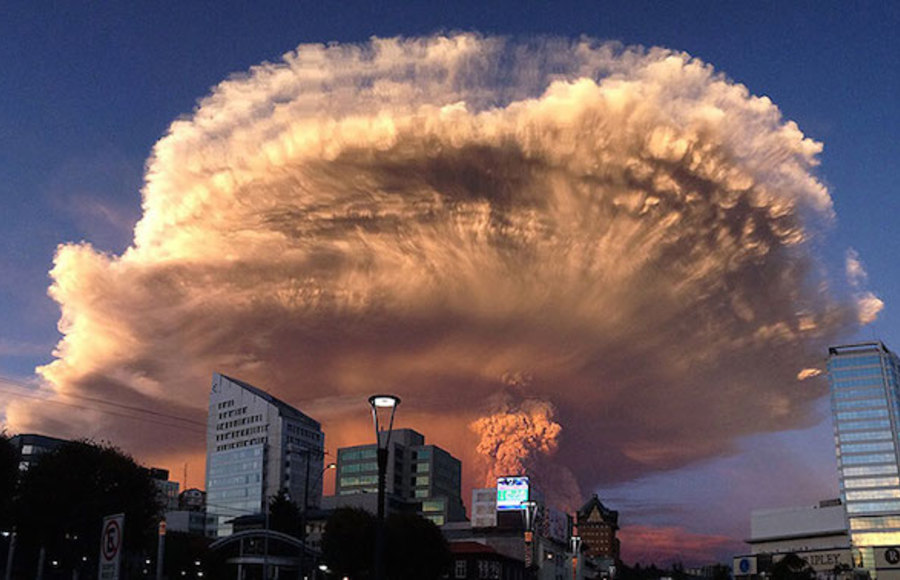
(256, 446)
(419, 474)
(865, 402)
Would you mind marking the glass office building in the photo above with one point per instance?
(424, 477)
(865, 402)
(256, 446)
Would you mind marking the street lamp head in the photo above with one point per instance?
(384, 400)
(383, 405)
(330, 466)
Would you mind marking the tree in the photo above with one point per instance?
(9, 474)
(66, 494)
(284, 515)
(416, 549)
(792, 567)
(349, 543)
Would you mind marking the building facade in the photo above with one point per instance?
(257, 445)
(419, 474)
(30, 446)
(597, 526)
(865, 402)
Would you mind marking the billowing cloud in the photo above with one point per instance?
(628, 228)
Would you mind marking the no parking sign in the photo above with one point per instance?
(111, 546)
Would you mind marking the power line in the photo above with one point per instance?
(190, 424)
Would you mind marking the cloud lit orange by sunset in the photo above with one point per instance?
(628, 234)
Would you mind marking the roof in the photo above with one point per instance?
(283, 408)
(609, 516)
(469, 547)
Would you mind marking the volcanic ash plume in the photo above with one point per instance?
(633, 229)
(520, 439)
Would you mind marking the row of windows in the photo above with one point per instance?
(873, 506)
(242, 432)
(235, 480)
(435, 505)
(871, 482)
(859, 403)
(867, 393)
(238, 444)
(245, 467)
(856, 373)
(358, 480)
(870, 470)
(357, 454)
(868, 414)
(873, 494)
(872, 458)
(870, 446)
(865, 436)
(357, 467)
(854, 361)
(239, 492)
(857, 383)
(236, 422)
(875, 523)
(234, 413)
(868, 425)
(225, 404)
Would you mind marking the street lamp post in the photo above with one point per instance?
(382, 405)
(9, 554)
(305, 508)
(529, 512)
(576, 547)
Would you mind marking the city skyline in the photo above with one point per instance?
(77, 170)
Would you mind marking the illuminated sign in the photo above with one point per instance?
(511, 492)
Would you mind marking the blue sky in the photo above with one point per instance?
(87, 89)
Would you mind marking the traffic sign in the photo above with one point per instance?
(111, 538)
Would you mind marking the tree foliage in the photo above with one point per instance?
(792, 567)
(348, 543)
(9, 473)
(284, 515)
(66, 494)
(415, 549)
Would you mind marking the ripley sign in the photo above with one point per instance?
(823, 560)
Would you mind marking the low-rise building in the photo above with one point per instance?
(817, 534)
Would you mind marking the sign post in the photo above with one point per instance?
(111, 538)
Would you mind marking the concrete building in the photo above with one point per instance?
(257, 445)
(865, 402)
(30, 446)
(817, 534)
(503, 532)
(421, 478)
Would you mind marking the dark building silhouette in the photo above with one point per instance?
(597, 526)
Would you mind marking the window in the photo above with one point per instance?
(460, 569)
(862, 447)
(871, 458)
(873, 494)
(869, 414)
(871, 482)
(864, 436)
(876, 523)
(873, 506)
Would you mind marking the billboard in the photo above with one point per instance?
(511, 492)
